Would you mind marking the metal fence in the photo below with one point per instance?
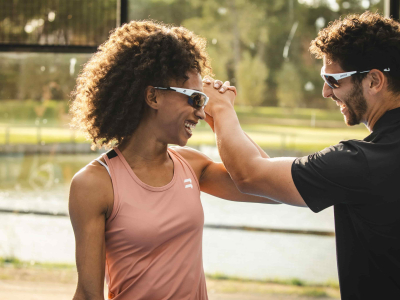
(58, 26)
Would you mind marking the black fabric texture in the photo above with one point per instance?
(111, 154)
(361, 179)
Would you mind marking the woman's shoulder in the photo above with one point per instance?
(91, 174)
(189, 153)
(197, 160)
(92, 186)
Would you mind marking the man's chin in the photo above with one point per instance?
(352, 121)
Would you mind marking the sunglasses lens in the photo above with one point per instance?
(332, 82)
(198, 100)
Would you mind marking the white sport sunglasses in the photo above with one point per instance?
(332, 80)
(196, 99)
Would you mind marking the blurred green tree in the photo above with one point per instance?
(261, 46)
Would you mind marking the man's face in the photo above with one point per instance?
(349, 96)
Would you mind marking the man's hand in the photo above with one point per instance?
(218, 98)
(221, 87)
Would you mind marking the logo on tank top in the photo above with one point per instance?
(188, 185)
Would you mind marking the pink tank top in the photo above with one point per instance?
(154, 235)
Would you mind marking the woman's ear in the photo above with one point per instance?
(151, 97)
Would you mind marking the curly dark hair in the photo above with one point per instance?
(362, 42)
(108, 100)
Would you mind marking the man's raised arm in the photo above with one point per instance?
(252, 173)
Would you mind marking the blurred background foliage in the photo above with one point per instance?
(72, 22)
(261, 46)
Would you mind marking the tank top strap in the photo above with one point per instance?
(104, 165)
(185, 163)
(110, 158)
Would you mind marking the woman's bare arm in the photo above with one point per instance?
(89, 204)
(214, 179)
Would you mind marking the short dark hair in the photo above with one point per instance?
(362, 42)
(109, 98)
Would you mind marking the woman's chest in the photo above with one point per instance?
(146, 219)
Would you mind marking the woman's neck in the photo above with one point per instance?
(144, 148)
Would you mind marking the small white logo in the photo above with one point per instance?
(188, 185)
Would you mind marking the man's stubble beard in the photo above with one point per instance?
(356, 105)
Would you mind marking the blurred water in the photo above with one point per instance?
(41, 183)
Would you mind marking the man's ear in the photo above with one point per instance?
(376, 81)
(150, 96)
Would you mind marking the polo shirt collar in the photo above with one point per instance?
(389, 118)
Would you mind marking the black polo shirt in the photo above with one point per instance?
(362, 180)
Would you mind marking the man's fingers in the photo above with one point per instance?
(207, 79)
(217, 84)
(224, 87)
(232, 88)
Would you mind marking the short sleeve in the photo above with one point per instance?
(337, 174)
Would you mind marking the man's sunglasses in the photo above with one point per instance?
(332, 80)
(196, 99)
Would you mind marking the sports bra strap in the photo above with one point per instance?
(108, 170)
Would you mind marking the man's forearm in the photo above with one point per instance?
(262, 152)
(210, 121)
(233, 144)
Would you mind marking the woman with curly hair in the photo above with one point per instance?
(136, 211)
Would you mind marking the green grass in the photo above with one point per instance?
(33, 134)
(15, 262)
(288, 113)
(12, 268)
(290, 281)
(316, 293)
(16, 111)
(10, 260)
(267, 136)
(272, 128)
(29, 111)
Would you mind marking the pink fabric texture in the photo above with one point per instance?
(154, 235)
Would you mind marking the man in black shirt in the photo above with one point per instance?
(361, 179)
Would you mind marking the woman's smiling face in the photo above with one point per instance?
(175, 117)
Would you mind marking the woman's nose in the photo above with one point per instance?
(199, 112)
